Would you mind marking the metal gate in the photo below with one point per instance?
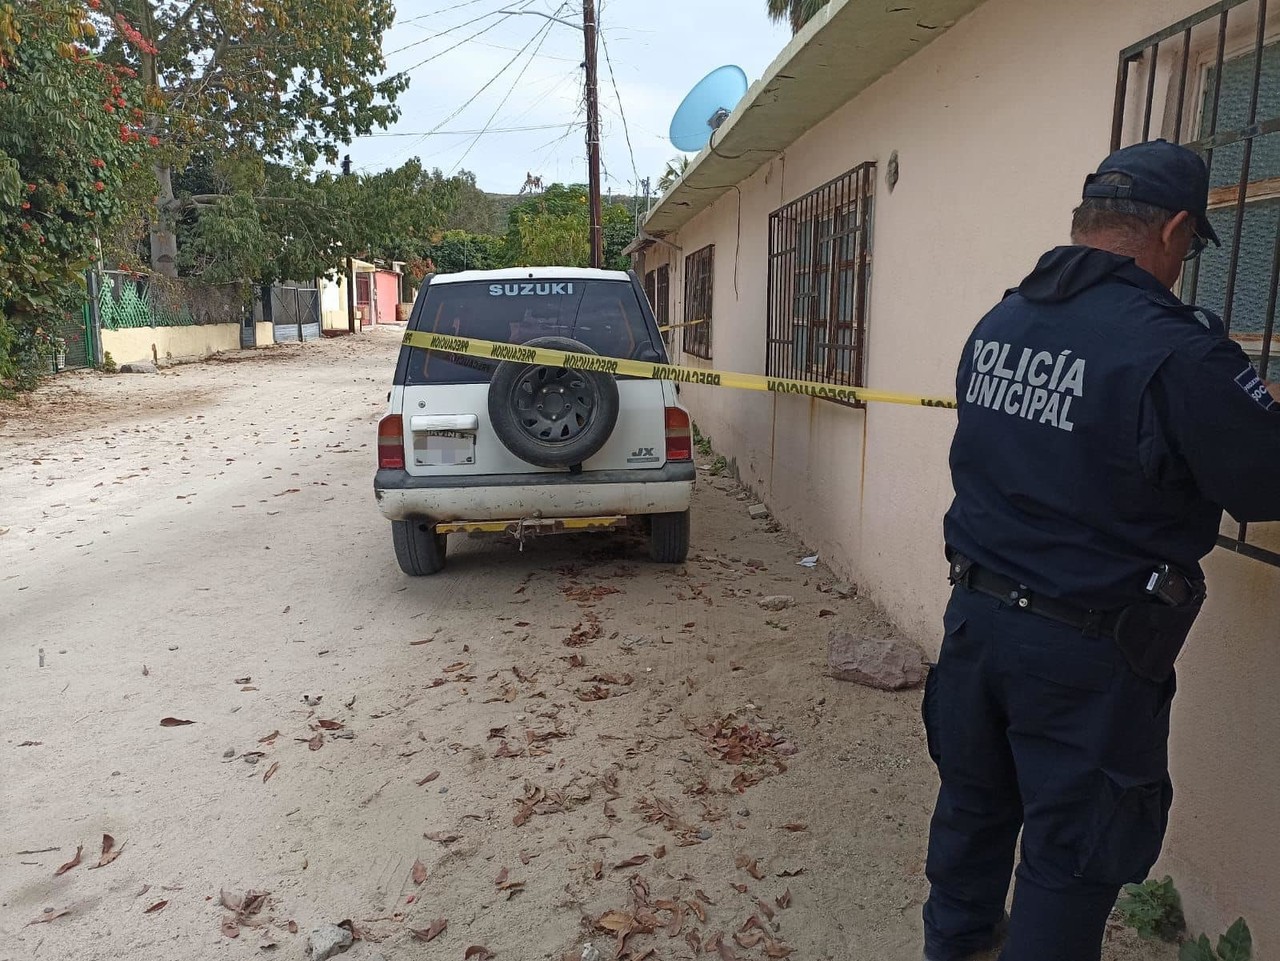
(295, 313)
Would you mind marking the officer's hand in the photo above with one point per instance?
(1274, 390)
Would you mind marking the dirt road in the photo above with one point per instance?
(542, 748)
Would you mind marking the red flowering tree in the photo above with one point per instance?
(69, 143)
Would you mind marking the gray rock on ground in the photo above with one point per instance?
(757, 512)
(884, 665)
(139, 367)
(778, 602)
(328, 940)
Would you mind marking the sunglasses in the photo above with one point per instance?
(1198, 244)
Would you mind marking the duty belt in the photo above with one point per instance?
(1092, 623)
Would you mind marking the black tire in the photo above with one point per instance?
(669, 537)
(419, 549)
(552, 416)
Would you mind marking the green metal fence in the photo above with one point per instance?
(126, 301)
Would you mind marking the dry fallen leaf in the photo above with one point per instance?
(784, 899)
(70, 864)
(50, 915)
(430, 933)
(701, 895)
(145, 671)
(776, 950)
(331, 725)
(109, 851)
(631, 862)
(740, 888)
(158, 906)
(293, 927)
(660, 852)
(229, 928)
(795, 827)
(750, 865)
(230, 901)
(677, 916)
(316, 743)
(616, 922)
(501, 879)
(443, 837)
(269, 738)
(419, 874)
(763, 905)
(174, 722)
(266, 775)
(429, 778)
(478, 952)
(697, 908)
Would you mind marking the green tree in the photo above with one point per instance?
(69, 146)
(795, 12)
(553, 228)
(456, 250)
(287, 81)
(675, 169)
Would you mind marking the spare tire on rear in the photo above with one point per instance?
(552, 416)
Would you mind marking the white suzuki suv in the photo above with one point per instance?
(472, 444)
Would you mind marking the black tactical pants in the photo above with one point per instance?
(1036, 727)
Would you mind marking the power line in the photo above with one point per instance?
(467, 133)
(626, 129)
(475, 96)
(541, 37)
(445, 33)
(436, 13)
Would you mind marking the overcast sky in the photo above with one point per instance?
(659, 49)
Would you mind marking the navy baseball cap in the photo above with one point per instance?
(1162, 174)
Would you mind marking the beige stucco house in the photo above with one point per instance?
(900, 166)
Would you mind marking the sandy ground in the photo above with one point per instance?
(520, 746)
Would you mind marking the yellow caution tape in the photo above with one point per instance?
(691, 323)
(517, 353)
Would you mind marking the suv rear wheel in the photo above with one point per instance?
(669, 537)
(419, 549)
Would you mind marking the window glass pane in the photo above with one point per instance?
(1253, 272)
(1233, 113)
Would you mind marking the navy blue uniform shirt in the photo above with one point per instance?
(1103, 427)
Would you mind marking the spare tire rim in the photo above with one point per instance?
(554, 404)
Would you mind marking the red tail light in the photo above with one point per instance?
(679, 435)
(391, 442)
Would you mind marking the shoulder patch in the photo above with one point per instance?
(1253, 385)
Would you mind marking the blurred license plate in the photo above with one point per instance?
(443, 449)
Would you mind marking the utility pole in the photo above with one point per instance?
(590, 33)
(593, 134)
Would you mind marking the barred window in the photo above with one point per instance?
(1212, 82)
(819, 271)
(657, 286)
(699, 267)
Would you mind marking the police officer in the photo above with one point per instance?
(1104, 425)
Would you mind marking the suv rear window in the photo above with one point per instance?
(603, 314)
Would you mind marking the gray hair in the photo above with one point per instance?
(1130, 221)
